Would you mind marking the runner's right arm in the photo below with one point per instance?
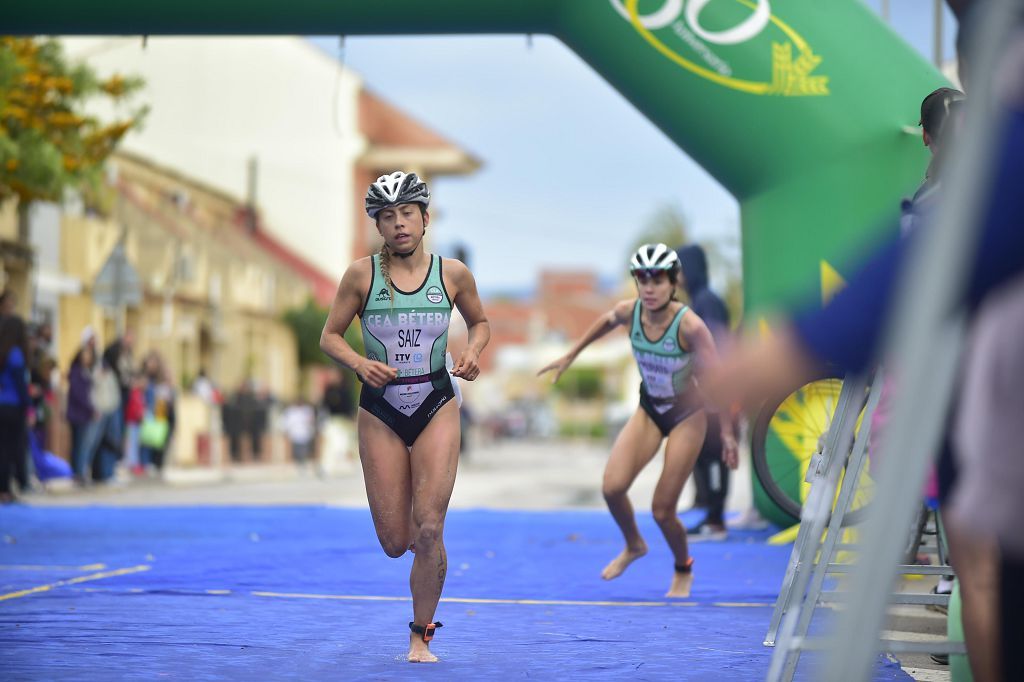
(348, 302)
(617, 316)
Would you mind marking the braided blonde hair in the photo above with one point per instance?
(385, 269)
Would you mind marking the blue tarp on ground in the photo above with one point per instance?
(254, 593)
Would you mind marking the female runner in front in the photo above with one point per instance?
(666, 336)
(409, 422)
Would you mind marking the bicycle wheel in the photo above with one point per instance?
(787, 433)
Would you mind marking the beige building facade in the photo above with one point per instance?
(212, 296)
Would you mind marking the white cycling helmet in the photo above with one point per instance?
(395, 189)
(654, 257)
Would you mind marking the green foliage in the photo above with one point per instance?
(668, 225)
(307, 323)
(581, 383)
(598, 430)
(47, 141)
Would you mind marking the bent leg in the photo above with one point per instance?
(684, 444)
(434, 459)
(386, 473)
(634, 447)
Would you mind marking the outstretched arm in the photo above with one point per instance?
(467, 300)
(617, 316)
(347, 303)
(697, 338)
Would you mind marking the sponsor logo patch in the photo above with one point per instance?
(408, 393)
(383, 295)
(434, 295)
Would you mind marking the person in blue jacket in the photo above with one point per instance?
(14, 400)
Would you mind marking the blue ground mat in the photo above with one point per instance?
(263, 593)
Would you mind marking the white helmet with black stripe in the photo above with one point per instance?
(396, 189)
(654, 257)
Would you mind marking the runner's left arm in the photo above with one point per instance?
(616, 317)
(467, 300)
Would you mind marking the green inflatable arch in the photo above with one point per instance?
(797, 107)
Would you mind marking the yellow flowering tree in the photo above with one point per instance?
(47, 141)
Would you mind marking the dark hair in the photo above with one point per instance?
(159, 372)
(77, 360)
(937, 109)
(13, 334)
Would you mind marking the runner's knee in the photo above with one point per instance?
(613, 490)
(428, 533)
(394, 547)
(664, 512)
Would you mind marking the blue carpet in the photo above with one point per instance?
(250, 593)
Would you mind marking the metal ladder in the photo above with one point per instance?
(816, 548)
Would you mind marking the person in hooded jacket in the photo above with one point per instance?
(710, 474)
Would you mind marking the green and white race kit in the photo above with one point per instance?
(407, 330)
(666, 371)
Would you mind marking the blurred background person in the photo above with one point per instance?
(157, 427)
(134, 413)
(338, 407)
(106, 400)
(710, 475)
(14, 405)
(80, 413)
(298, 421)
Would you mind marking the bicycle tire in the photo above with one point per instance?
(768, 476)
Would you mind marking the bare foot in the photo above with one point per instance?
(419, 651)
(619, 564)
(681, 585)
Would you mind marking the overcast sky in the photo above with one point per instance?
(530, 207)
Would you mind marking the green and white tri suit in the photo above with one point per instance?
(666, 371)
(409, 333)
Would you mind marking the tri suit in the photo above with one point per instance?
(407, 330)
(666, 371)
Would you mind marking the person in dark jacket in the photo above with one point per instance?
(80, 412)
(14, 401)
(710, 474)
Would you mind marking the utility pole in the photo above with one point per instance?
(120, 309)
(252, 184)
(937, 37)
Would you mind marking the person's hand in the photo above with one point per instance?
(730, 449)
(466, 367)
(375, 374)
(758, 369)
(558, 366)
